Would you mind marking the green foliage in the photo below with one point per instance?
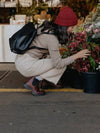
(92, 62)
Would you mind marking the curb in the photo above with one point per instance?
(46, 90)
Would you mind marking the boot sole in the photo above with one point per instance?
(27, 87)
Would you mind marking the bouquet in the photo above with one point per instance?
(87, 39)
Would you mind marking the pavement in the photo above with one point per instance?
(56, 112)
(10, 77)
(65, 110)
(12, 81)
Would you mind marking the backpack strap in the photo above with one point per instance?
(35, 47)
(51, 33)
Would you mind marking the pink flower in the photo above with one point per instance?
(96, 30)
(88, 29)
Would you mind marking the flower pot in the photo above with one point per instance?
(91, 82)
(76, 80)
(66, 78)
(72, 78)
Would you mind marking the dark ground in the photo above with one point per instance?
(60, 112)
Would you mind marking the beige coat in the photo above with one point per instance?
(32, 62)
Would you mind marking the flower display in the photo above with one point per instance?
(93, 33)
(87, 39)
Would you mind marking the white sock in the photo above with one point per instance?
(39, 78)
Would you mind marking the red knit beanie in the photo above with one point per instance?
(66, 17)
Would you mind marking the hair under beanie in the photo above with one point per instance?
(66, 17)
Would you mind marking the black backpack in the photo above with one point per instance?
(20, 42)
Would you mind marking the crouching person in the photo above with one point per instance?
(33, 64)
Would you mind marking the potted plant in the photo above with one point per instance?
(89, 67)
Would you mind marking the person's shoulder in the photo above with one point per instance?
(50, 35)
(52, 41)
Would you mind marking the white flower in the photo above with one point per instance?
(98, 24)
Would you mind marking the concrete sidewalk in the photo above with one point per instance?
(10, 77)
(12, 81)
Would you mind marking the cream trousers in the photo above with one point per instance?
(29, 66)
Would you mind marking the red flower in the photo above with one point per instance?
(97, 48)
(81, 41)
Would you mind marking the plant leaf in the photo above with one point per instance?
(92, 61)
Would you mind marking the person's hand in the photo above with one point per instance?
(81, 54)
